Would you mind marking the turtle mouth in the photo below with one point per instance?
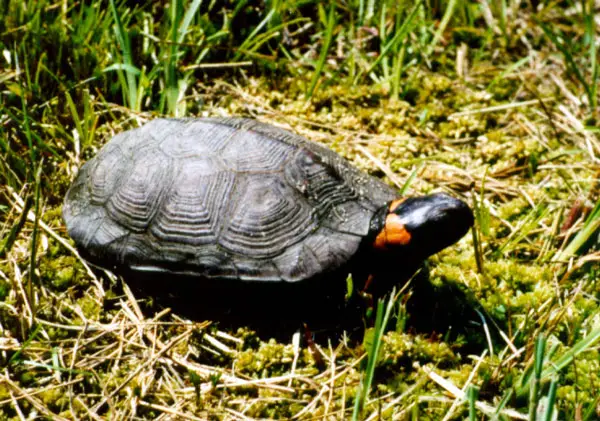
(425, 225)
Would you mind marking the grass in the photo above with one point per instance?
(374, 338)
(329, 27)
(496, 102)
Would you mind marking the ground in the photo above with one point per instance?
(496, 104)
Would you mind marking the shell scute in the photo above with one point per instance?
(260, 154)
(336, 203)
(324, 250)
(192, 210)
(183, 142)
(266, 218)
(105, 175)
(138, 194)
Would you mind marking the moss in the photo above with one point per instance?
(519, 275)
(270, 359)
(433, 85)
(4, 392)
(27, 378)
(465, 126)
(581, 381)
(402, 350)
(510, 210)
(504, 89)
(4, 289)
(53, 216)
(469, 35)
(90, 307)
(61, 272)
(55, 399)
(273, 410)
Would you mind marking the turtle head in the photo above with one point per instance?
(418, 227)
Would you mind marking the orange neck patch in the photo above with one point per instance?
(394, 232)
(395, 203)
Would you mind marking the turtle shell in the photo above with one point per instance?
(224, 198)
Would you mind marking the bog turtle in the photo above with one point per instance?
(233, 199)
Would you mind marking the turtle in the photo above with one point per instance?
(234, 201)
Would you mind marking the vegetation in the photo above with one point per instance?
(494, 101)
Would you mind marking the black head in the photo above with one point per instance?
(422, 226)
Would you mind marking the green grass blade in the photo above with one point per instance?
(370, 12)
(550, 401)
(509, 70)
(503, 20)
(590, 227)
(324, 50)
(382, 318)
(534, 386)
(16, 357)
(505, 399)
(590, 35)
(398, 37)
(383, 38)
(361, 12)
(9, 239)
(171, 84)
(125, 46)
(567, 358)
(56, 368)
(472, 394)
(75, 115)
(592, 410)
(564, 46)
(127, 68)
(554, 369)
(187, 19)
(397, 71)
(443, 24)
(242, 48)
(34, 241)
(273, 32)
(530, 222)
(410, 179)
